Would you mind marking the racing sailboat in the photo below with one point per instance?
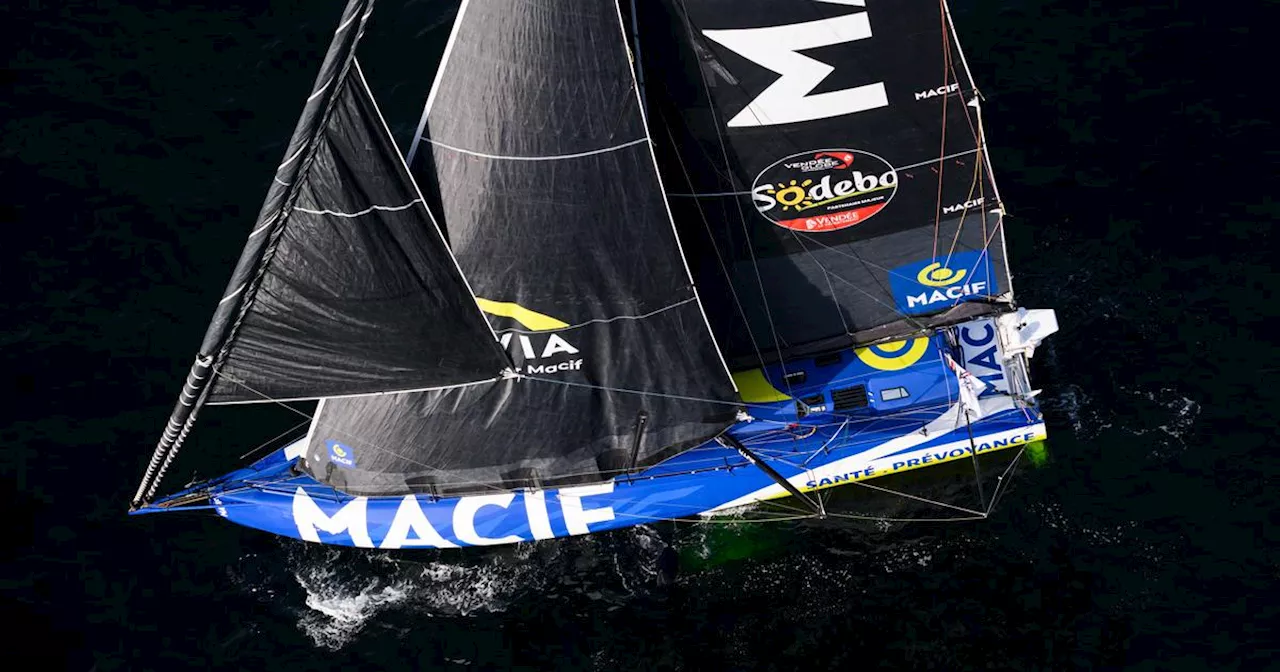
(642, 262)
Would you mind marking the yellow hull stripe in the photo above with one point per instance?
(755, 388)
(894, 358)
(528, 318)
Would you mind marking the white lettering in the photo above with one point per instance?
(763, 200)
(555, 345)
(410, 518)
(571, 365)
(350, 519)
(575, 517)
(788, 99)
(958, 207)
(535, 505)
(526, 347)
(949, 294)
(929, 93)
(464, 519)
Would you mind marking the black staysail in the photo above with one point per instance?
(536, 159)
(345, 285)
(826, 168)
(359, 294)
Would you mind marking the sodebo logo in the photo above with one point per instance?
(824, 190)
(937, 284)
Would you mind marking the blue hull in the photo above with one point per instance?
(821, 450)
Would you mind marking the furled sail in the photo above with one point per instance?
(536, 159)
(826, 168)
(346, 285)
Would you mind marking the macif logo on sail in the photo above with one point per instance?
(936, 284)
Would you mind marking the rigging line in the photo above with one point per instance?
(942, 149)
(956, 519)
(873, 297)
(269, 220)
(666, 206)
(919, 499)
(602, 320)
(855, 257)
(965, 63)
(382, 208)
(716, 194)
(844, 324)
(421, 130)
(982, 255)
(265, 398)
(713, 519)
(355, 395)
(277, 437)
(706, 224)
(995, 190)
(746, 233)
(823, 449)
(549, 157)
(963, 412)
(1001, 483)
(973, 184)
(365, 443)
(982, 139)
(280, 219)
(605, 388)
(503, 356)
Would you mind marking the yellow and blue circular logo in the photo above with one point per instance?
(935, 285)
(893, 356)
(937, 275)
(341, 454)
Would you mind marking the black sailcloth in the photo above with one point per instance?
(801, 143)
(535, 153)
(351, 288)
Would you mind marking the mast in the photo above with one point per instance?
(636, 59)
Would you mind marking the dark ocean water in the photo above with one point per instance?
(1133, 146)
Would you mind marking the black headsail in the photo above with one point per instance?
(825, 156)
(536, 156)
(345, 285)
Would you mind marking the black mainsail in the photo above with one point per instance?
(826, 166)
(536, 157)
